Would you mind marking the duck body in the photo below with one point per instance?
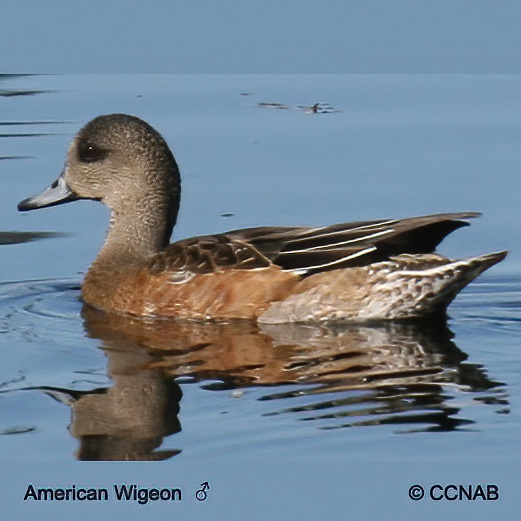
(362, 271)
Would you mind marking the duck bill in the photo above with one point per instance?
(57, 193)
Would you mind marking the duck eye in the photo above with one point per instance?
(89, 153)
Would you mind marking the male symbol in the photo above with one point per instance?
(201, 493)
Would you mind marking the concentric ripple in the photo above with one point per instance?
(40, 309)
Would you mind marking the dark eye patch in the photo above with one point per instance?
(89, 153)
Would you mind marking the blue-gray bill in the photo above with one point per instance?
(57, 193)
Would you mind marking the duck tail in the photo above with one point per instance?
(451, 279)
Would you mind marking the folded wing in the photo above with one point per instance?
(311, 250)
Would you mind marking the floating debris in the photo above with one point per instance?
(270, 105)
(318, 108)
(227, 214)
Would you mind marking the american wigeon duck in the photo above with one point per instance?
(361, 271)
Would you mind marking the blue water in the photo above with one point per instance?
(75, 383)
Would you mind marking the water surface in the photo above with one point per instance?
(264, 150)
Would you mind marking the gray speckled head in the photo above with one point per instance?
(113, 156)
(123, 162)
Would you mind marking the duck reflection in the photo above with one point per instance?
(340, 377)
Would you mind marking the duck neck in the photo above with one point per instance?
(139, 228)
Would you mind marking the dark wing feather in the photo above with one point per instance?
(310, 250)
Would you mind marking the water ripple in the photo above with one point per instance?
(494, 302)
